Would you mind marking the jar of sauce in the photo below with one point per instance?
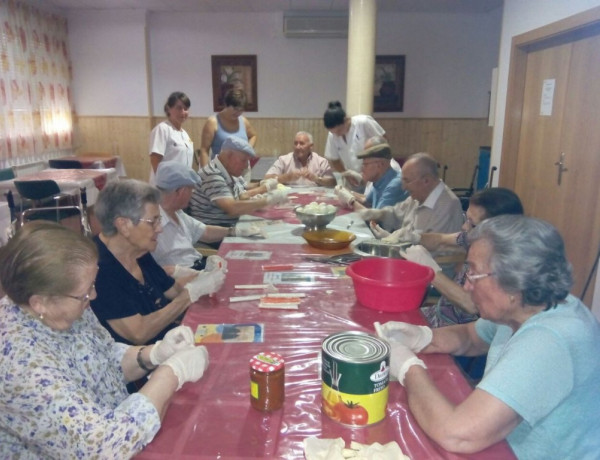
(267, 381)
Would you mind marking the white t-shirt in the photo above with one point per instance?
(172, 144)
(362, 127)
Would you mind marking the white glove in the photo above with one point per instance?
(392, 238)
(419, 255)
(401, 359)
(176, 339)
(353, 177)
(277, 197)
(378, 232)
(188, 365)
(345, 196)
(405, 235)
(181, 271)
(215, 263)
(270, 184)
(251, 230)
(371, 214)
(206, 283)
(414, 337)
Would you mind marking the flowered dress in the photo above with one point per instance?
(62, 393)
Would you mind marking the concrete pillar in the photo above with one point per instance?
(361, 57)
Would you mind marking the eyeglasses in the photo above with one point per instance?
(85, 298)
(469, 221)
(473, 277)
(154, 222)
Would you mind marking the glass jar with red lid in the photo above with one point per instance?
(267, 381)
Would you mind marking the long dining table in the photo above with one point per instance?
(213, 418)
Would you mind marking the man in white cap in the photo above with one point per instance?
(221, 197)
(181, 232)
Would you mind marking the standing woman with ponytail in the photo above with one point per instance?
(346, 139)
(168, 140)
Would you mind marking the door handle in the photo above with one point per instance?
(561, 167)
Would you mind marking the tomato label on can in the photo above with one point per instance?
(355, 378)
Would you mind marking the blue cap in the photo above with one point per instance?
(238, 144)
(171, 175)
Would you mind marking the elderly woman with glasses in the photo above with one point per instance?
(62, 377)
(540, 386)
(137, 301)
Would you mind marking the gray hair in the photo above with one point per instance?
(304, 133)
(123, 198)
(426, 164)
(528, 258)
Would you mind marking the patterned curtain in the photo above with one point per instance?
(35, 81)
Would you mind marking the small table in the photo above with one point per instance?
(93, 180)
(90, 161)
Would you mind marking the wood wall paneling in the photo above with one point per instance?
(453, 142)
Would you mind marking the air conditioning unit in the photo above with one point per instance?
(315, 25)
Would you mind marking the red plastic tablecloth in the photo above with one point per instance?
(286, 212)
(213, 418)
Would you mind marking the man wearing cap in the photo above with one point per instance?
(221, 197)
(376, 169)
(175, 246)
(302, 166)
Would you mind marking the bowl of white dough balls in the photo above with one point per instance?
(315, 215)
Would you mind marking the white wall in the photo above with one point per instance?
(449, 61)
(109, 62)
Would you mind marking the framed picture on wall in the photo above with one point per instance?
(388, 89)
(232, 72)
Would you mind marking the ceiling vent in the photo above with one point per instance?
(315, 25)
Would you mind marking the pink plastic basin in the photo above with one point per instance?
(387, 284)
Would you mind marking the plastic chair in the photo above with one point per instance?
(7, 174)
(45, 196)
(64, 164)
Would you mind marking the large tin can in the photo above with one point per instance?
(355, 375)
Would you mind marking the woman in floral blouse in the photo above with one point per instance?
(62, 376)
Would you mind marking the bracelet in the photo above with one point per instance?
(140, 362)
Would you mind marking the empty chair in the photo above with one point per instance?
(64, 164)
(47, 201)
(7, 174)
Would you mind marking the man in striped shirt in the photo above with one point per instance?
(221, 196)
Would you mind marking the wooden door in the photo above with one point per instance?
(572, 61)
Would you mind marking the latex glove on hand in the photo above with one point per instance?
(405, 235)
(176, 339)
(345, 196)
(414, 337)
(401, 359)
(181, 272)
(353, 177)
(270, 184)
(277, 197)
(216, 263)
(206, 283)
(378, 232)
(188, 365)
(419, 255)
(371, 214)
(251, 230)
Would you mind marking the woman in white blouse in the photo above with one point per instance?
(168, 140)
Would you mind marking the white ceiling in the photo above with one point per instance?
(213, 6)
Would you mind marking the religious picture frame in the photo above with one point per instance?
(388, 88)
(234, 71)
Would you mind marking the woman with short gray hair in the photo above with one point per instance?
(539, 390)
(137, 301)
